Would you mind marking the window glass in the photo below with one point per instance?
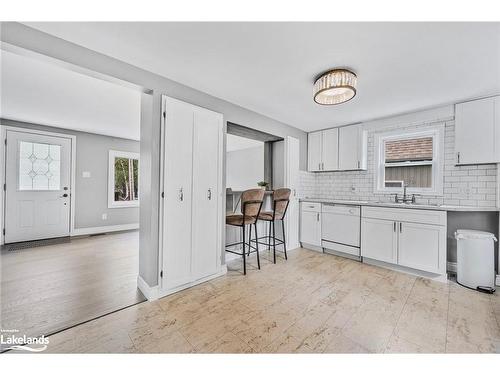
(39, 166)
(408, 162)
(126, 179)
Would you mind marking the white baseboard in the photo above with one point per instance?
(311, 247)
(410, 271)
(451, 267)
(164, 293)
(103, 229)
(497, 281)
(150, 292)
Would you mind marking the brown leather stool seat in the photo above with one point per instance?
(237, 219)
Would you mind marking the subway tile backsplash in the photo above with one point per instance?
(471, 185)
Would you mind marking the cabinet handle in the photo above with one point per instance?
(317, 216)
(209, 194)
(458, 157)
(181, 194)
(400, 227)
(359, 164)
(394, 226)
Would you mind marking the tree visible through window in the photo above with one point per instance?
(123, 179)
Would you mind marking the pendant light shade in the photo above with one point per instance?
(335, 86)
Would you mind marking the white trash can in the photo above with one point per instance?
(476, 259)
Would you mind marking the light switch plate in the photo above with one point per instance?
(105, 216)
(86, 174)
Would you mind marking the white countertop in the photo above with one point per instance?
(400, 205)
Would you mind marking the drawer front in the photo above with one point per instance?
(310, 206)
(405, 214)
(341, 209)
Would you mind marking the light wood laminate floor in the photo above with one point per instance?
(312, 303)
(45, 289)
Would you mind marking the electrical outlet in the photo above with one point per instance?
(105, 216)
(353, 188)
(465, 192)
(86, 174)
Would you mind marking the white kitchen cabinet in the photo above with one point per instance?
(408, 237)
(379, 240)
(310, 223)
(477, 131)
(336, 149)
(191, 227)
(330, 149)
(352, 148)
(422, 247)
(314, 149)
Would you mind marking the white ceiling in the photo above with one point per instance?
(235, 143)
(48, 94)
(270, 67)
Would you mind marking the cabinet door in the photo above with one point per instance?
(476, 134)
(206, 193)
(177, 189)
(422, 246)
(379, 240)
(310, 227)
(314, 151)
(350, 148)
(330, 150)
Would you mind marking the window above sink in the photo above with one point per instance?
(410, 158)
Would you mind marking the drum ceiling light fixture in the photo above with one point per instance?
(335, 86)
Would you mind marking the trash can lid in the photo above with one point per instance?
(467, 234)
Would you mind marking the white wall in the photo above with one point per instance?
(244, 168)
(468, 185)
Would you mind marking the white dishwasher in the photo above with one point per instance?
(341, 228)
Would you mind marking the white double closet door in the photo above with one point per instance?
(192, 210)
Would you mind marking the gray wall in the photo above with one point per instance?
(245, 168)
(91, 194)
(34, 40)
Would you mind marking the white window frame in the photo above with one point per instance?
(437, 134)
(111, 179)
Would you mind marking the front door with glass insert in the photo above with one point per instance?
(38, 189)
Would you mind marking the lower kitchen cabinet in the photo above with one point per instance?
(379, 240)
(422, 247)
(408, 240)
(310, 223)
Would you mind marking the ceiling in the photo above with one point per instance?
(235, 143)
(270, 67)
(47, 94)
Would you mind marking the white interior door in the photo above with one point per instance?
(38, 186)
(207, 140)
(177, 194)
(292, 162)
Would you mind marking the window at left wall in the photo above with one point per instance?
(123, 179)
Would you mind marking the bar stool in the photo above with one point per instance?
(251, 204)
(281, 199)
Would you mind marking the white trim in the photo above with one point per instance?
(104, 229)
(111, 179)
(437, 133)
(150, 292)
(3, 150)
(411, 271)
(166, 292)
(497, 281)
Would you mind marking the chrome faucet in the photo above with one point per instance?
(405, 198)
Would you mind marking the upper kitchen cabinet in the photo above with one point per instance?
(477, 131)
(330, 149)
(337, 149)
(314, 147)
(352, 148)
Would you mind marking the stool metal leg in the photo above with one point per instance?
(274, 242)
(250, 240)
(284, 239)
(243, 252)
(257, 244)
(269, 237)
